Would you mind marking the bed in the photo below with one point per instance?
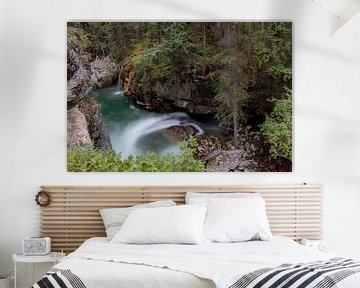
(99, 263)
(295, 211)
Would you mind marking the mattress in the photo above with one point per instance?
(99, 263)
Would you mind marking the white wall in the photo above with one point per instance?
(33, 105)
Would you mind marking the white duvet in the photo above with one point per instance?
(100, 263)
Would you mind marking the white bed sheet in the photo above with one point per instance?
(100, 263)
(101, 274)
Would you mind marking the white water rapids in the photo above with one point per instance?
(132, 136)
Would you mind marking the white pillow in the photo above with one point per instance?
(204, 198)
(180, 224)
(236, 220)
(113, 218)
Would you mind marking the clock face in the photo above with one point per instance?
(40, 245)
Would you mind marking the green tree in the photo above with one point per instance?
(233, 80)
(277, 128)
(273, 50)
(231, 97)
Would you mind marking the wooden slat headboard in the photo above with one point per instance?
(73, 215)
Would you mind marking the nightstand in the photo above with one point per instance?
(320, 245)
(53, 257)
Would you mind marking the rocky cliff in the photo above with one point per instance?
(85, 121)
(95, 123)
(154, 91)
(77, 129)
(78, 74)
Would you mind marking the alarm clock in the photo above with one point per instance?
(36, 246)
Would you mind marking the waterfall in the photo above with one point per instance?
(129, 137)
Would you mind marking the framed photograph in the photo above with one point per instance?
(179, 96)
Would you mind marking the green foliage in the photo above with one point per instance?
(176, 36)
(152, 32)
(95, 83)
(193, 66)
(231, 97)
(234, 79)
(78, 37)
(277, 129)
(257, 61)
(155, 66)
(89, 159)
(168, 63)
(98, 34)
(273, 50)
(153, 63)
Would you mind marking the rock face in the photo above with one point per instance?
(103, 72)
(230, 161)
(85, 121)
(95, 124)
(78, 73)
(247, 155)
(223, 156)
(191, 96)
(77, 130)
(180, 133)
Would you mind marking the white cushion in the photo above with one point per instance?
(113, 218)
(204, 198)
(181, 224)
(236, 220)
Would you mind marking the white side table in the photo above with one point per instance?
(53, 257)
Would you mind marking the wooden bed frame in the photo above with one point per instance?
(73, 214)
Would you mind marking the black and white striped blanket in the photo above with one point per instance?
(320, 274)
(57, 278)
